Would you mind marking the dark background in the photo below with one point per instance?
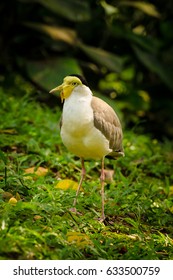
(123, 48)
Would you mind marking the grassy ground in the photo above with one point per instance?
(35, 195)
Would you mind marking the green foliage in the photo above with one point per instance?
(35, 221)
(47, 40)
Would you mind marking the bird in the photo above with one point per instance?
(90, 128)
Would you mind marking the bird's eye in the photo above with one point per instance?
(74, 84)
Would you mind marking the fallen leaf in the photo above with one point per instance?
(12, 201)
(78, 238)
(37, 217)
(8, 131)
(67, 184)
(38, 172)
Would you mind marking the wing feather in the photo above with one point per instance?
(107, 121)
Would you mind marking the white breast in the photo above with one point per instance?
(78, 132)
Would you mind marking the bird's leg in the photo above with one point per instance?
(102, 179)
(83, 172)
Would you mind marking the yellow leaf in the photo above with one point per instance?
(64, 34)
(40, 171)
(18, 196)
(67, 184)
(12, 201)
(8, 131)
(78, 238)
(171, 190)
(147, 8)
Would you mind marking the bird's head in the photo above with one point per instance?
(68, 85)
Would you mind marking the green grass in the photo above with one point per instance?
(139, 201)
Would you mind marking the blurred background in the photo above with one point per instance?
(123, 48)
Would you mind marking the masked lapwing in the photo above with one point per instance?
(90, 128)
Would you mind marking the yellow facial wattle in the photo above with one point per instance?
(66, 88)
(66, 91)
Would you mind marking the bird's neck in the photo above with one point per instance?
(80, 93)
(77, 109)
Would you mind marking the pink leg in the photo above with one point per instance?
(102, 178)
(80, 184)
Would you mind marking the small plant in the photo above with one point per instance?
(38, 178)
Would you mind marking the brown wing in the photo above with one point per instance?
(106, 120)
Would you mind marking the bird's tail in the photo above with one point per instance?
(116, 154)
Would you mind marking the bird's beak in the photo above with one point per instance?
(65, 88)
(59, 88)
